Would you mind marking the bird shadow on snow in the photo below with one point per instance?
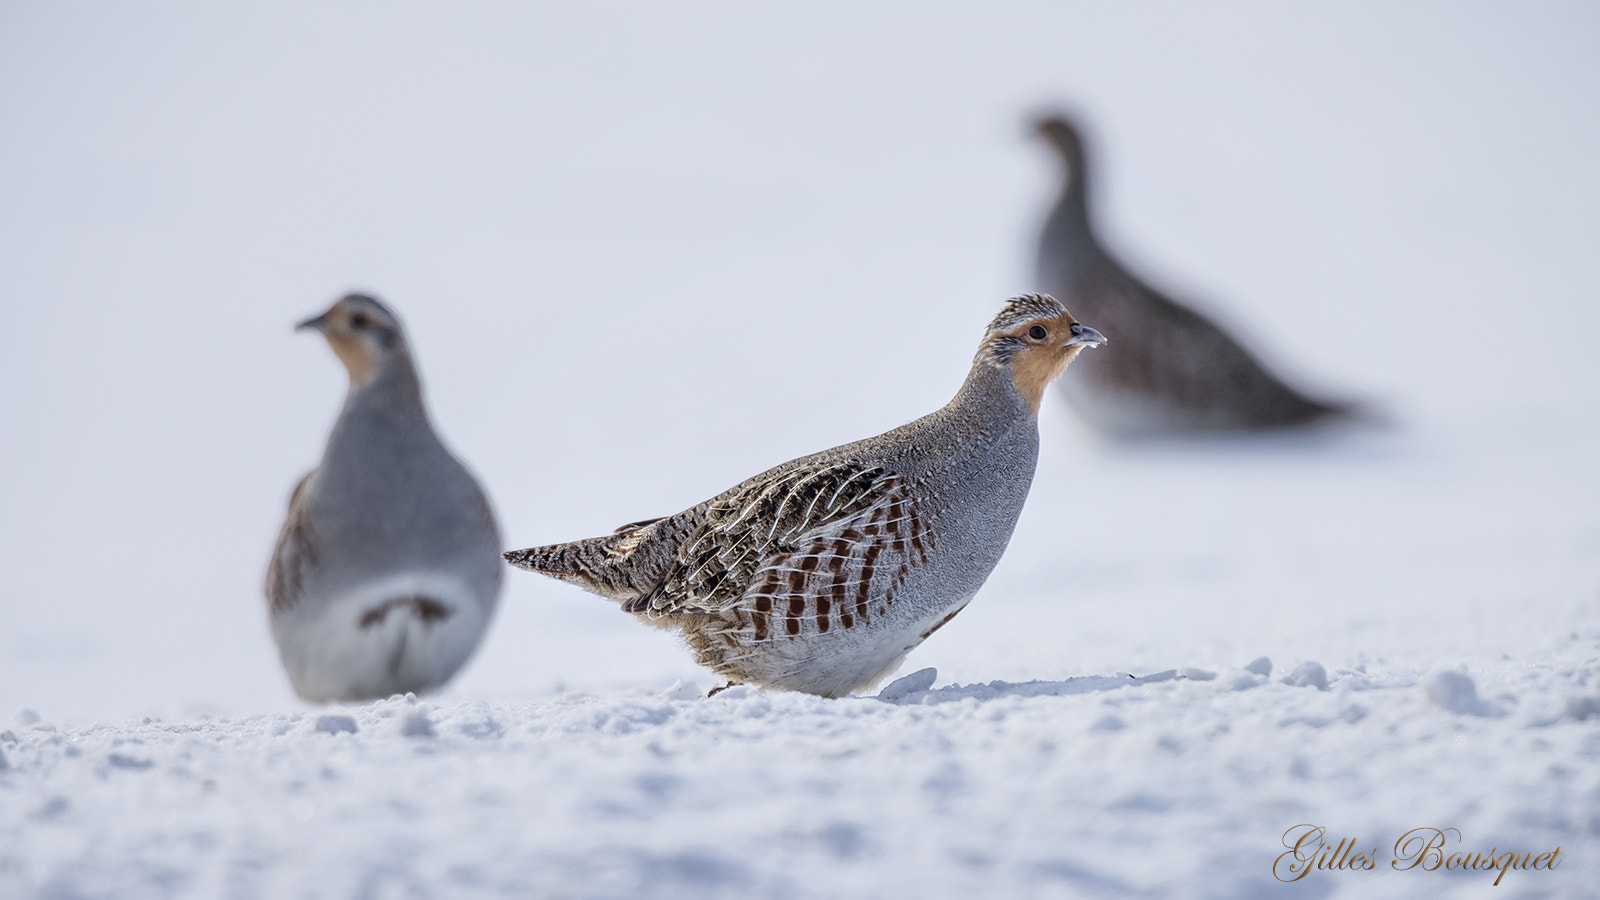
(917, 688)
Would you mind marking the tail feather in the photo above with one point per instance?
(601, 565)
(555, 560)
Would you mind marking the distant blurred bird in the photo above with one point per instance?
(820, 575)
(387, 570)
(1174, 370)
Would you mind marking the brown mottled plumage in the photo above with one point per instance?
(1174, 370)
(821, 574)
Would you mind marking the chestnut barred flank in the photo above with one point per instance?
(805, 551)
(427, 610)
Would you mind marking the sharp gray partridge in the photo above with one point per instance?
(821, 574)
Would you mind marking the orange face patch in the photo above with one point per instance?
(1043, 359)
(353, 345)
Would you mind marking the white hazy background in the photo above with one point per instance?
(646, 250)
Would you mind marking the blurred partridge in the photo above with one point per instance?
(821, 574)
(1174, 370)
(387, 570)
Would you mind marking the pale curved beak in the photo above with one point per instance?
(1083, 335)
(315, 323)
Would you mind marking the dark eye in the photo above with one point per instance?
(1038, 333)
(359, 321)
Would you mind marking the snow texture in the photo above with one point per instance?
(1308, 674)
(1455, 692)
(916, 683)
(1064, 788)
(647, 250)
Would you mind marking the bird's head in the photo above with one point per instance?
(1064, 136)
(1033, 339)
(362, 331)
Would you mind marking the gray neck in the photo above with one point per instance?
(385, 409)
(394, 385)
(1068, 241)
(989, 399)
(986, 460)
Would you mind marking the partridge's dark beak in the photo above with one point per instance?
(1085, 336)
(315, 323)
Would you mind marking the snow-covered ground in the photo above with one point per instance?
(1086, 786)
(631, 242)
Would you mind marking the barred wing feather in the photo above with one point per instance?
(294, 554)
(804, 550)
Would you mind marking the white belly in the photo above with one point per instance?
(406, 633)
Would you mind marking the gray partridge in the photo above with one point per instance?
(387, 569)
(1174, 370)
(821, 574)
